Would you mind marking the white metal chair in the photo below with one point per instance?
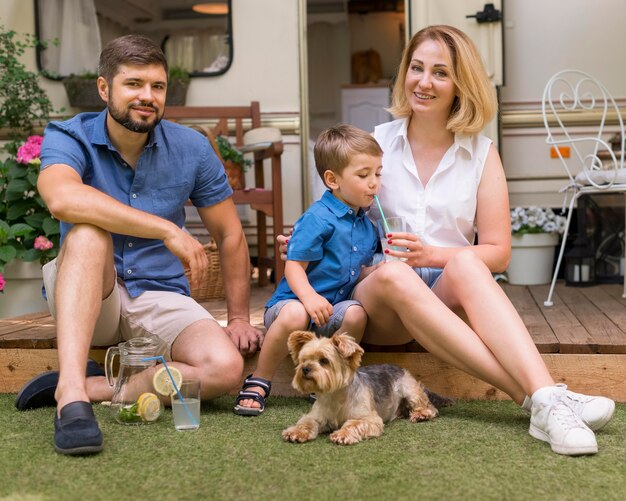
(571, 98)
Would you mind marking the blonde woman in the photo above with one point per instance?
(447, 180)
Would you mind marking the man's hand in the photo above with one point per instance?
(247, 339)
(191, 253)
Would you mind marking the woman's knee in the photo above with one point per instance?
(392, 276)
(466, 267)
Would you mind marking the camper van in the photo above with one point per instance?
(314, 63)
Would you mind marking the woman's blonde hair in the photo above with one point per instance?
(475, 103)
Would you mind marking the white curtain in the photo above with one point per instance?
(195, 51)
(75, 24)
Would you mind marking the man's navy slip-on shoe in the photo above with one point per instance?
(76, 431)
(39, 391)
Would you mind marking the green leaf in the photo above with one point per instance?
(21, 229)
(16, 170)
(17, 210)
(13, 196)
(5, 229)
(35, 220)
(7, 253)
(51, 226)
(18, 186)
(31, 255)
(32, 178)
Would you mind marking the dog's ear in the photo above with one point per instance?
(297, 339)
(349, 349)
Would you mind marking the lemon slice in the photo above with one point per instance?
(148, 407)
(162, 383)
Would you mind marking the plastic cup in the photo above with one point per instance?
(187, 414)
(394, 225)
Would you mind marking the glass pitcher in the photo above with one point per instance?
(130, 403)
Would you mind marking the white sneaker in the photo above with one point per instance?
(594, 411)
(554, 421)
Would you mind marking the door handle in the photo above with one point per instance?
(489, 14)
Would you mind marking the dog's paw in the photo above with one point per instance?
(345, 436)
(422, 414)
(298, 434)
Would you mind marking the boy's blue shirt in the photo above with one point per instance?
(335, 242)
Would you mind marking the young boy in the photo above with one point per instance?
(331, 242)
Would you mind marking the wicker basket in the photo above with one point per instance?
(213, 288)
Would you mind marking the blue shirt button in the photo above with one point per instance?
(130, 244)
(134, 195)
(130, 272)
(355, 248)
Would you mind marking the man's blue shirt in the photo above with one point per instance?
(335, 242)
(177, 164)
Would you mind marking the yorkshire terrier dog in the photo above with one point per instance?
(352, 402)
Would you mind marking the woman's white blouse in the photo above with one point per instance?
(443, 212)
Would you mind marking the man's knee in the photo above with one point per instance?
(223, 374)
(216, 362)
(87, 239)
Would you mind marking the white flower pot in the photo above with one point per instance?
(22, 291)
(532, 258)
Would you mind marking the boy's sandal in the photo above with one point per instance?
(252, 395)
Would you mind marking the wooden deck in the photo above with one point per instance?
(582, 338)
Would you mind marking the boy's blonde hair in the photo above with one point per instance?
(475, 103)
(336, 146)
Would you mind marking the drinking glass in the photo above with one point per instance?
(394, 225)
(189, 418)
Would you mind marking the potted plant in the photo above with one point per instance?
(177, 85)
(82, 91)
(29, 236)
(535, 234)
(234, 163)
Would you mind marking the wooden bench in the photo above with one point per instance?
(581, 339)
(234, 121)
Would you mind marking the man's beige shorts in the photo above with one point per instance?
(164, 314)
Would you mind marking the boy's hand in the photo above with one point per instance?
(318, 308)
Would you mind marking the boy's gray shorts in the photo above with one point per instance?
(326, 330)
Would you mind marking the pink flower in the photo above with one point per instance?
(42, 243)
(30, 150)
(2, 282)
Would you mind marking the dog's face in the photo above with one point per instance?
(323, 365)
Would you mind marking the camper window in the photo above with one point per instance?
(76, 31)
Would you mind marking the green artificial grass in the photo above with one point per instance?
(474, 450)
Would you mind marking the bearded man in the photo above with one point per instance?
(118, 182)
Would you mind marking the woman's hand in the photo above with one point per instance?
(283, 240)
(416, 254)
